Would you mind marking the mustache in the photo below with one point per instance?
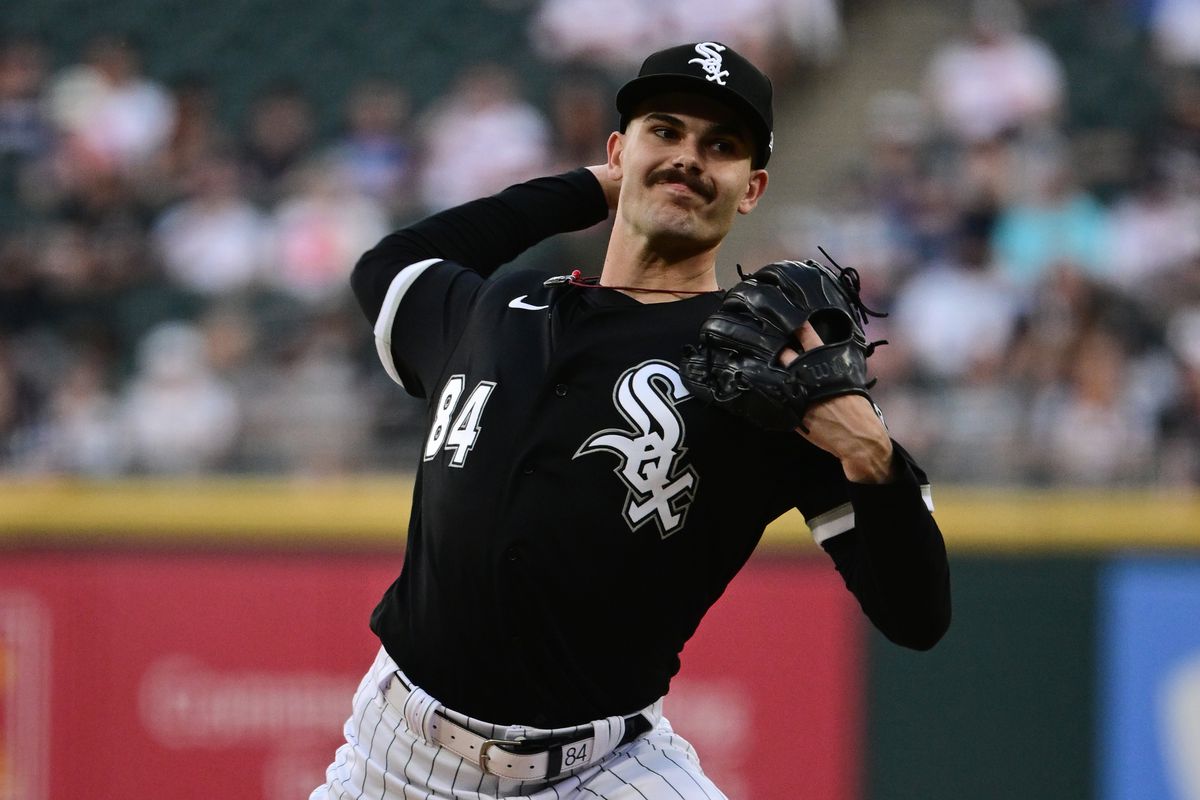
(675, 175)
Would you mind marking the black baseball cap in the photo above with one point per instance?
(712, 69)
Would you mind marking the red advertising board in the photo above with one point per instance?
(167, 674)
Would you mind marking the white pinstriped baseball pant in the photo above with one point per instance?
(384, 759)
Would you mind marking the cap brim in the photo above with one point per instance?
(633, 93)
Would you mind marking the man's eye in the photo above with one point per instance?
(664, 133)
(724, 146)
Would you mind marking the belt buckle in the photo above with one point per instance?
(488, 744)
(521, 746)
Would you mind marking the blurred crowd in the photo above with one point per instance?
(173, 285)
(1043, 275)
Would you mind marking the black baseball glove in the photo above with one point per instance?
(736, 364)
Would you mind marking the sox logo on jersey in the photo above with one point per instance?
(661, 486)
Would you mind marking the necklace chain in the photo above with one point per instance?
(576, 279)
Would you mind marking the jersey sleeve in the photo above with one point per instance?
(826, 501)
(884, 542)
(417, 286)
(891, 555)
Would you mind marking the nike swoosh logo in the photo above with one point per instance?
(519, 302)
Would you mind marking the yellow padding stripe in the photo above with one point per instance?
(1019, 521)
(250, 511)
(373, 511)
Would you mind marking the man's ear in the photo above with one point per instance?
(755, 188)
(616, 149)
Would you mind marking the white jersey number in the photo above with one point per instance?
(457, 433)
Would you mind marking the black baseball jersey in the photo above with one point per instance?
(576, 510)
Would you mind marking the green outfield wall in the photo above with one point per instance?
(1004, 707)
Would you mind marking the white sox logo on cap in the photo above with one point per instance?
(710, 61)
(712, 69)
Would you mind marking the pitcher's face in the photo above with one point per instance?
(684, 163)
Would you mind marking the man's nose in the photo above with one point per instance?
(688, 156)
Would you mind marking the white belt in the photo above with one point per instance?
(524, 759)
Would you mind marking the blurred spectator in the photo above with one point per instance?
(24, 131)
(1179, 140)
(216, 241)
(107, 219)
(887, 212)
(18, 409)
(997, 80)
(1086, 429)
(22, 295)
(935, 214)
(480, 138)
(230, 336)
(1060, 224)
(242, 337)
(1181, 418)
(178, 416)
(73, 266)
(972, 431)
(115, 119)
(812, 29)
(609, 33)
(197, 134)
(987, 172)
(581, 116)
(307, 415)
(1154, 231)
(374, 153)
(958, 315)
(319, 232)
(83, 433)
(1175, 25)
(876, 214)
(771, 33)
(279, 138)
(1053, 319)
(897, 130)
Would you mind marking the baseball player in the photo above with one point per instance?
(578, 508)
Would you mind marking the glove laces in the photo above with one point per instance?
(851, 284)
